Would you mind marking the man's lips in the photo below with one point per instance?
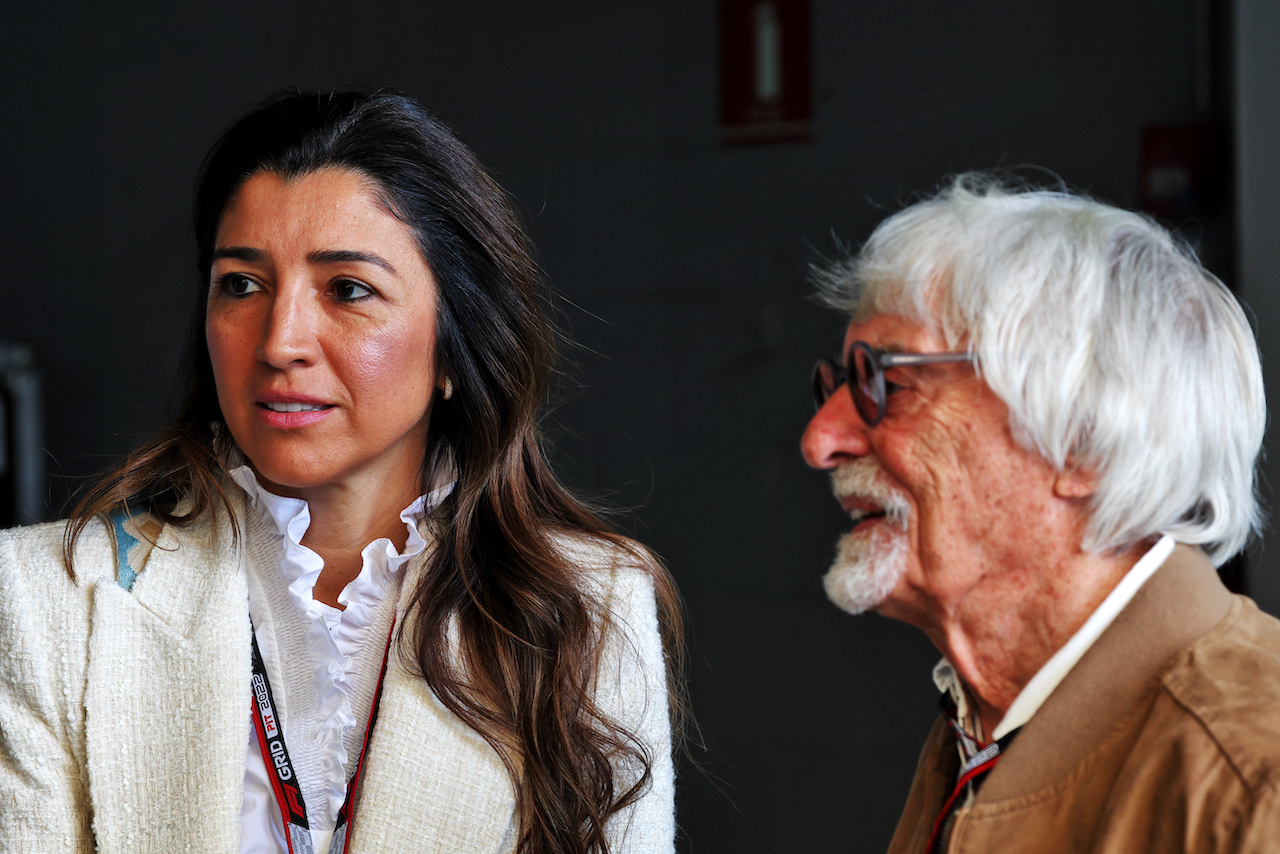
(854, 504)
(861, 510)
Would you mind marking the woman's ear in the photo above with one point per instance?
(443, 381)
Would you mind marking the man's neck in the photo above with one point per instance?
(1005, 631)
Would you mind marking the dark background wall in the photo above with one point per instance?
(679, 267)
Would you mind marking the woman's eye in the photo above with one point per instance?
(351, 291)
(237, 284)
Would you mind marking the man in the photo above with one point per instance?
(1044, 428)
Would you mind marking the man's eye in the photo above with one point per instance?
(351, 291)
(237, 284)
(890, 387)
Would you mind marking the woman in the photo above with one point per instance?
(341, 599)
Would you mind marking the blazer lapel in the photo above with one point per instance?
(430, 782)
(167, 699)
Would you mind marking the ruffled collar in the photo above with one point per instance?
(291, 517)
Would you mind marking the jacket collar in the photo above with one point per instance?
(425, 767)
(167, 696)
(1181, 602)
(167, 718)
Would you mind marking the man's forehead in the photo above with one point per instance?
(893, 332)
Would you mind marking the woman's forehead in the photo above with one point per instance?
(329, 205)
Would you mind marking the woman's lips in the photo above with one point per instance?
(293, 406)
(288, 411)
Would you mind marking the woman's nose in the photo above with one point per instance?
(290, 334)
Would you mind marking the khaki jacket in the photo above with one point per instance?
(1165, 737)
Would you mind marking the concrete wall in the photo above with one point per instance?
(680, 267)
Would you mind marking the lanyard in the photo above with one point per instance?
(973, 771)
(284, 780)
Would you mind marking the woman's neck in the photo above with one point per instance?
(344, 520)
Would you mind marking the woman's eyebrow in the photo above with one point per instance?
(339, 256)
(240, 253)
(320, 256)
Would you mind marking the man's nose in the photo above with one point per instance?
(836, 433)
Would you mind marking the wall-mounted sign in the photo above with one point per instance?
(1183, 169)
(766, 71)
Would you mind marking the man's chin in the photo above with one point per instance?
(865, 571)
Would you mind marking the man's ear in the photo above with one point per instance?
(1075, 481)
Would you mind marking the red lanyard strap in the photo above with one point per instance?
(974, 771)
(280, 771)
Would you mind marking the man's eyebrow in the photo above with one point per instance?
(891, 346)
(240, 253)
(340, 256)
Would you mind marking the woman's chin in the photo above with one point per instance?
(284, 480)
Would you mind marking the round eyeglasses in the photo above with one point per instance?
(869, 388)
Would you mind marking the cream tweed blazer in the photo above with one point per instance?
(124, 716)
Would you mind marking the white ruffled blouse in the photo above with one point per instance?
(322, 662)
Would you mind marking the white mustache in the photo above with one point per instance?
(863, 479)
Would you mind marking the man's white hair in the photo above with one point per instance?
(1113, 348)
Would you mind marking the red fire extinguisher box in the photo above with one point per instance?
(766, 71)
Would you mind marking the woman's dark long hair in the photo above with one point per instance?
(528, 633)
